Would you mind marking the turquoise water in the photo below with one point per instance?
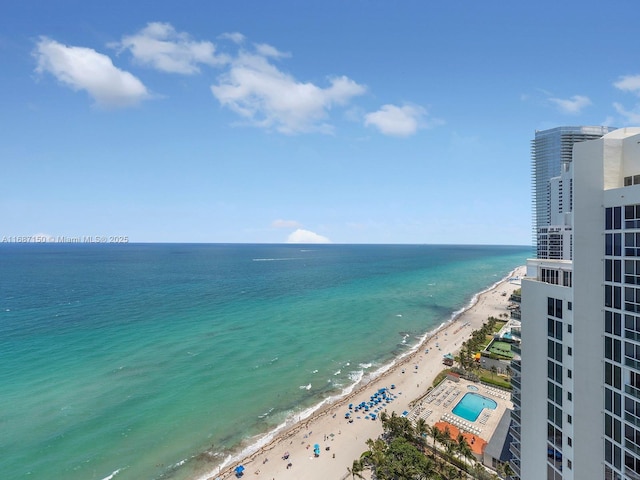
(471, 405)
(159, 361)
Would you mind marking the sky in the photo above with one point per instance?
(394, 122)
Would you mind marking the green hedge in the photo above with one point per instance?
(498, 382)
(441, 376)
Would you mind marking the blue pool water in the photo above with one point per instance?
(472, 388)
(471, 405)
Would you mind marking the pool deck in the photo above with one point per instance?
(438, 404)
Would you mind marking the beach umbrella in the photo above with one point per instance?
(239, 470)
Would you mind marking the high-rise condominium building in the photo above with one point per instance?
(552, 199)
(577, 387)
(551, 155)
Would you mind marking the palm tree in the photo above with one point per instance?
(447, 433)
(384, 416)
(396, 426)
(464, 448)
(508, 371)
(450, 446)
(480, 473)
(378, 450)
(450, 472)
(508, 471)
(436, 434)
(504, 470)
(421, 430)
(465, 357)
(356, 469)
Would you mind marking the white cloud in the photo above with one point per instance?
(628, 83)
(266, 97)
(630, 117)
(306, 236)
(268, 51)
(399, 121)
(160, 46)
(573, 105)
(235, 37)
(285, 224)
(83, 68)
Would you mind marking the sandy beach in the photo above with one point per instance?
(342, 442)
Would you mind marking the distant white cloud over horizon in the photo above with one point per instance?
(398, 121)
(269, 98)
(573, 105)
(285, 224)
(81, 68)
(160, 46)
(306, 236)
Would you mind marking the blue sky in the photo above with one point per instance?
(254, 121)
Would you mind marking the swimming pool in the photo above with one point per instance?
(471, 405)
(472, 388)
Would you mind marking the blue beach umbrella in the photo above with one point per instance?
(239, 470)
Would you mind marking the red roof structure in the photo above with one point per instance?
(476, 443)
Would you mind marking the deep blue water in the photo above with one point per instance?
(157, 361)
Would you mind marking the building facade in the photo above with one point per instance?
(607, 303)
(551, 153)
(577, 392)
(555, 240)
(545, 391)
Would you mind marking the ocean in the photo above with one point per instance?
(162, 361)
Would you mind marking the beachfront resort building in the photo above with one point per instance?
(577, 388)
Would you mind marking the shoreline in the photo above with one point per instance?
(289, 435)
